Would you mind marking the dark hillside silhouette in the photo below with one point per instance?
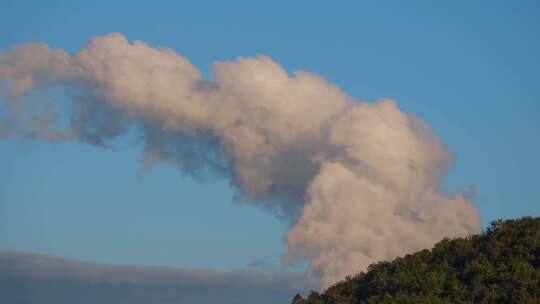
(501, 265)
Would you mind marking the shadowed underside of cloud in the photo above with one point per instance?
(37, 278)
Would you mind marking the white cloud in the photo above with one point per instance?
(358, 181)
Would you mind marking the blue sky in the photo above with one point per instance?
(469, 69)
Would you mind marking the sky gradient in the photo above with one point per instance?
(468, 69)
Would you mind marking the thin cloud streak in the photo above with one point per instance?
(37, 278)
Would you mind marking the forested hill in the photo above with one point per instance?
(501, 265)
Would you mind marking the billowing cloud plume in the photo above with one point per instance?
(359, 182)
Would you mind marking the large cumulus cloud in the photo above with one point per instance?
(358, 182)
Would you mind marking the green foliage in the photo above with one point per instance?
(501, 265)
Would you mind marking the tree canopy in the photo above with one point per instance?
(500, 265)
